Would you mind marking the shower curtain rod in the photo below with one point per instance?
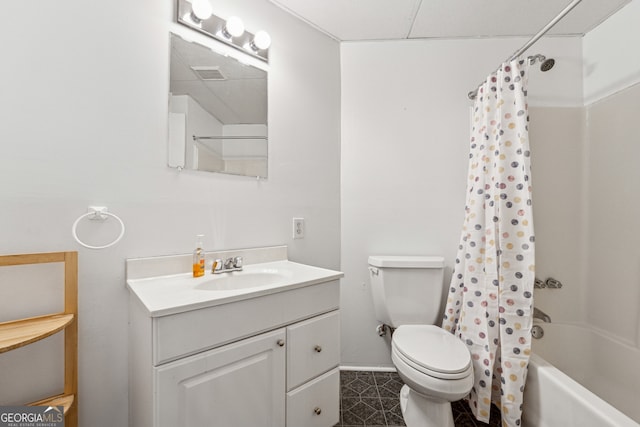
(534, 39)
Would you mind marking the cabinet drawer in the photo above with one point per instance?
(313, 347)
(315, 404)
(194, 331)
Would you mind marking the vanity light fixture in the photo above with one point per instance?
(198, 15)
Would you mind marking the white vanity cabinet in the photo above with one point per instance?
(243, 383)
(268, 360)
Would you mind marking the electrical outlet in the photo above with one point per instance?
(298, 228)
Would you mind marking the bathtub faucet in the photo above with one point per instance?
(539, 314)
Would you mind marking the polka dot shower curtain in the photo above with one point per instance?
(489, 306)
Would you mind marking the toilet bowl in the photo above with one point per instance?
(434, 364)
(436, 369)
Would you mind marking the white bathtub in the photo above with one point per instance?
(580, 377)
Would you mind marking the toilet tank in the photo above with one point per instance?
(407, 289)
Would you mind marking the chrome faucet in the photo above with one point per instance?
(229, 264)
(539, 314)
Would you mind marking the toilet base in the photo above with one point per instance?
(420, 411)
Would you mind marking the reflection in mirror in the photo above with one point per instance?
(217, 112)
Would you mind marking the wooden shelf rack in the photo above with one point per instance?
(20, 332)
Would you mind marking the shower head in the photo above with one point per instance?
(547, 64)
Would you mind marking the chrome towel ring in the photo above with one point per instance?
(97, 213)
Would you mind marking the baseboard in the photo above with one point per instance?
(368, 368)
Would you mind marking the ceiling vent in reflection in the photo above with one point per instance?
(208, 73)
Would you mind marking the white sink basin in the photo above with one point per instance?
(244, 280)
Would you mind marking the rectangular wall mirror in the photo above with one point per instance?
(217, 112)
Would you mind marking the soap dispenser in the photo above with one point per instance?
(198, 257)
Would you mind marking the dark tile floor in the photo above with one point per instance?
(371, 399)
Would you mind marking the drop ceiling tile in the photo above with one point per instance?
(464, 18)
(356, 19)
(587, 15)
(350, 20)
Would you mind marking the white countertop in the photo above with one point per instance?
(171, 294)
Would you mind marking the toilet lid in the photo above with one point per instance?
(432, 348)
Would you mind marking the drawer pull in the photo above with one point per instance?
(318, 349)
(280, 343)
(317, 411)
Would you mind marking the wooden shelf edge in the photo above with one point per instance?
(41, 258)
(21, 332)
(60, 400)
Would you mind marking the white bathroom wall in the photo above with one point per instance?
(611, 61)
(84, 121)
(405, 130)
(613, 257)
(612, 92)
(558, 157)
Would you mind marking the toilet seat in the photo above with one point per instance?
(432, 351)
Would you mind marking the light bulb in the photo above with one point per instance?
(261, 41)
(202, 9)
(233, 27)
(192, 19)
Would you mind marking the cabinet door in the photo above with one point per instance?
(238, 385)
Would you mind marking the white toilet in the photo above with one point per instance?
(434, 364)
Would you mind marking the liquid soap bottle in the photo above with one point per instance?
(198, 257)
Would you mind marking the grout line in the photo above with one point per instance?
(469, 414)
(463, 411)
(384, 415)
